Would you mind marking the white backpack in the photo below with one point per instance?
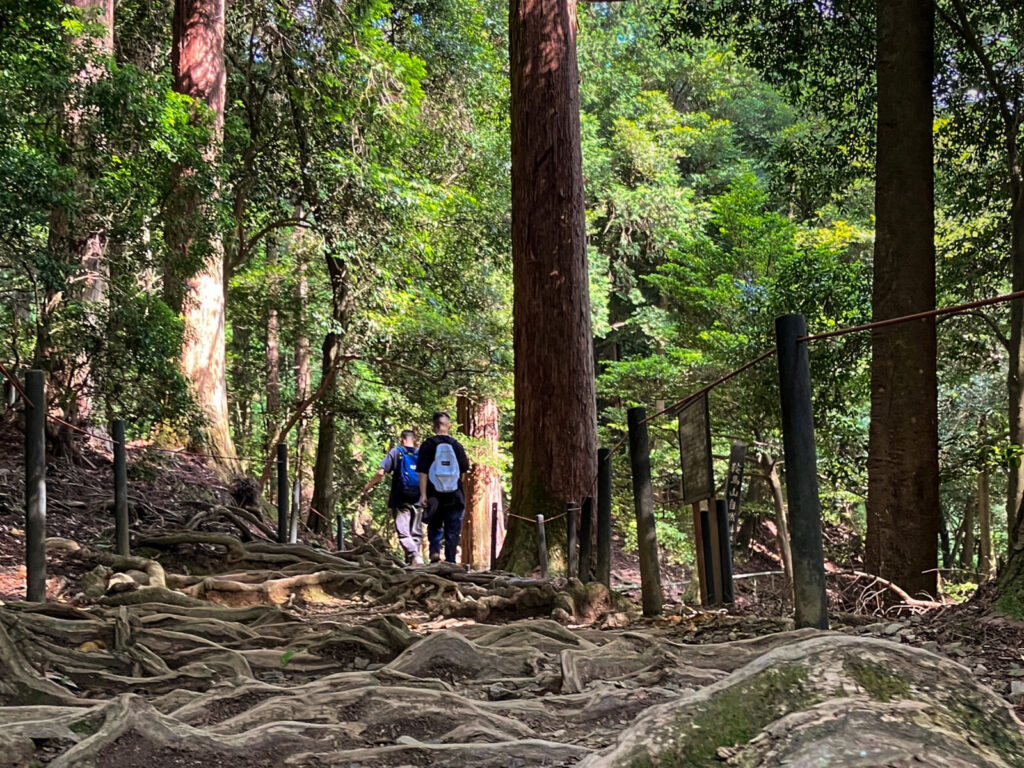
(444, 471)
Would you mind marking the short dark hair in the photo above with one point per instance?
(406, 433)
(438, 415)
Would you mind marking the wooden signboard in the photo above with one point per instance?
(695, 451)
(734, 485)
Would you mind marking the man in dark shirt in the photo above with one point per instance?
(442, 463)
(401, 462)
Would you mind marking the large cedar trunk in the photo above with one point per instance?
(478, 419)
(555, 427)
(903, 471)
(197, 61)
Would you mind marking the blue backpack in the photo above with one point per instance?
(407, 471)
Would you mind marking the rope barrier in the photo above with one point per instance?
(14, 383)
(916, 316)
(696, 395)
(534, 520)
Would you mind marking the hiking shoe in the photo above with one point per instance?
(435, 557)
(416, 560)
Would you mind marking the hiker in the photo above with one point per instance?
(441, 465)
(401, 461)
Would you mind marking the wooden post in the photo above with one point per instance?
(494, 534)
(707, 546)
(341, 532)
(586, 536)
(698, 549)
(604, 517)
(715, 563)
(542, 547)
(35, 487)
(572, 512)
(293, 521)
(643, 501)
(801, 473)
(724, 545)
(121, 534)
(282, 492)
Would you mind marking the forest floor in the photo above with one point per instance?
(219, 647)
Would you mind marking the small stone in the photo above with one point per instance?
(1016, 688)
(562, 616)
(915, 619)
(953, 646)
(121, 582)
(409, 741)
(931, 646)
(908, 637)
(873, 629)
(360, 663)
(981, 669)
(733, 636)
(499, 693)
(1016, 672)
(892, 629)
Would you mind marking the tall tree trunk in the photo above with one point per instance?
(1015, 372)
(321, 510)
(903, 471)
(197, 61)
(478, 420)
(555, 449)
(303, 373)
(986, 563)
(770, 468)
(969, 548)
(273, 351)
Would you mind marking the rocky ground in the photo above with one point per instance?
(215, 647)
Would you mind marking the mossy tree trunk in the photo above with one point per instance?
(555, 430)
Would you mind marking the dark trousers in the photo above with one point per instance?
(444, 522)
(409, 527)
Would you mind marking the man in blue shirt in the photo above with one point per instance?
(401, 462)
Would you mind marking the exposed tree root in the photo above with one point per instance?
(209, 668)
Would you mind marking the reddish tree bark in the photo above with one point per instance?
(478, 420)
(555, 430)
(197, 62)
(903, 465)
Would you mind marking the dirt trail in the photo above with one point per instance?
(290, 655)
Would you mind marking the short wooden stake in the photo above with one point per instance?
(698, 547)
(282, 492)
(121, 530)
(604, 517)
(586, 537)
(725, 550)
(572, 513)
(340, 521)
(494, 534)
(542, 547)
(35, 487)
(293, 528)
